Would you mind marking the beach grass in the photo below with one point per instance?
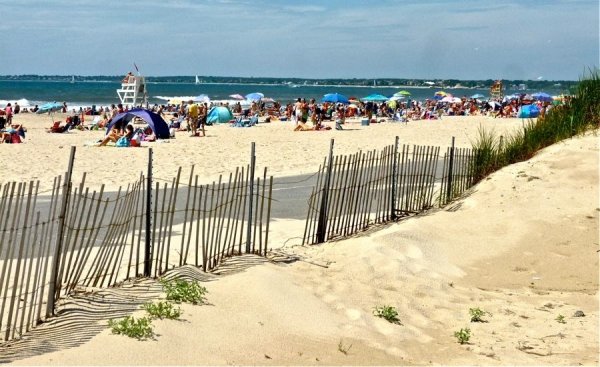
(576, 116)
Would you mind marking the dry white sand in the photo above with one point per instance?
(522, 246)
(283, 151)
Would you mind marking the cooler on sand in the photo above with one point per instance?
(365, 122)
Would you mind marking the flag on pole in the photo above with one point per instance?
(136, 68)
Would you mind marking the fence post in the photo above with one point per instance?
(394, 178)
(322, 223)
(54, 285)
(149, 238)
(250, 195)
(450, 166)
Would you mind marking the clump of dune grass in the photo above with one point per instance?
(576, 116)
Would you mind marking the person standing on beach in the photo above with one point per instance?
(192, 117)
(297, 111)
(203, 114)
(9, 114)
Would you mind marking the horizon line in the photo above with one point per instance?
(294, 78)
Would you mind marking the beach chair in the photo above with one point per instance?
(238, 122)
(253, 121)
(55, 128)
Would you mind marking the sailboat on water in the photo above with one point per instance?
(197, 80)
(72, 79)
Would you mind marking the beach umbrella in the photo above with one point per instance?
(219, 115)
(527, 97)
(335, 98)
(237, 96)
(403, 93)
(255, 96)
(541, 96)
(441, 94)
(201, 98)
(396, 98)
(375, 98)
(477, 96)
(50, 108)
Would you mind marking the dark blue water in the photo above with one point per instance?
(104, 93)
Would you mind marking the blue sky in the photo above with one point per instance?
(426, 39)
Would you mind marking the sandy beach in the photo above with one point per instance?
(522, 245)
(282, 150)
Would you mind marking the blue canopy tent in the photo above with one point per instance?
(528, 111)
(155, 122)
(219, 115)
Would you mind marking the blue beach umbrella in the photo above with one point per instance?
(50, 107)
(219, 115)
(541, 96)
(335, 98)
(255, 96)
(375, 98)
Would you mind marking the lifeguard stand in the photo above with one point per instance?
(497, 90)
(133, 91)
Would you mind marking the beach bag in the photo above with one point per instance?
(123, 142)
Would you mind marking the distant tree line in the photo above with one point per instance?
(383, 82)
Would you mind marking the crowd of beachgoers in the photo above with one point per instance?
(306, 114)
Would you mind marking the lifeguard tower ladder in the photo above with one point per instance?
(133, 91)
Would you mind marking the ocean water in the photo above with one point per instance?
(30, 93)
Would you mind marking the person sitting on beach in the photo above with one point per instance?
(112, 136)
(302, 126)
(13, 134)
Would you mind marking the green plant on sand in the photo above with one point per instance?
(140, 329)
(463, 335)
(162, 310)
(477, 314)
(179, 290)
(387, 312)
